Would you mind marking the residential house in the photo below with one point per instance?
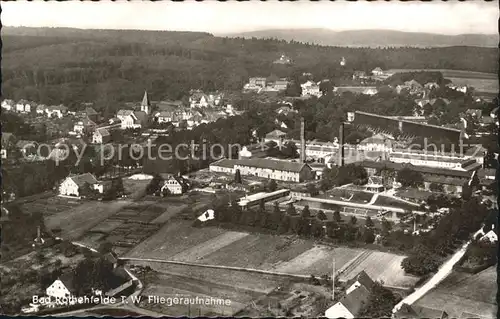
(101, 136)
(84, 126)
(377, 71)
(257, 82)
(55, 111)
(132, 119)
(375, 184)
(23, 106)
(62, 287)
(424, 101)
(491, 236)
(71, 186)
(276, 136)
(283, 60)
(310, 89)
(278, 85)
(165, 117)
(360, 75)
(357, 293)
(8, 104)
(431, 85)
(414, 87)
(40, 109)
(253, 151)
(92, 114)
(175, 185)
(198, 99)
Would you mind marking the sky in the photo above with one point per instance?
(233, 17)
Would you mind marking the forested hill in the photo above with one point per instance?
(108, 67)
(374, 38)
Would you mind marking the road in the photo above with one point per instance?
(442, 273)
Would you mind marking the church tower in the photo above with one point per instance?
(145, 105)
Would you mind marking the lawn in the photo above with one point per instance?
(480, 85)
(393, 202)
(357, 196)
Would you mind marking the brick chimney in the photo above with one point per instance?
(302, 141)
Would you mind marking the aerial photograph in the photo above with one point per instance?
(249, 159)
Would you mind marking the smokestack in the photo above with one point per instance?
(302, 141)
(38, 233)
(341, 144)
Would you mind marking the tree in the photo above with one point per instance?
(105, 247)
(291, 210)
(289, 150)
(380, 303)
(410, 178)
(306, 213)
(368, 235)
(369, 222)
(272, 186)
(466, 192)
(155, 184)
(353, 220)
(321, 215)
(386, 226)
(326, 87)
(435, 187)
(312, 190)
(86, 190)
(336, 216)
(237, 177)
(293, 89)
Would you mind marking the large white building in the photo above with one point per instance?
(435, 159)
(71, 186)
(265, 168)
(311, 89)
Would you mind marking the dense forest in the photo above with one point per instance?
(57, 65)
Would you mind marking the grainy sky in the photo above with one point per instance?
(229, 17)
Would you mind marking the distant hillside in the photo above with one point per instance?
(373, 38)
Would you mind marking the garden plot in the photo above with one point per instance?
(130, 234)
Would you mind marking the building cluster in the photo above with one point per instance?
(377, 75)
(262, 84)
(283, 60)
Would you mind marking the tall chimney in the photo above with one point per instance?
(341, 144)
(302, 141)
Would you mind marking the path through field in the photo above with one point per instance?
(442, 273)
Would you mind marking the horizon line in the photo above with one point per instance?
(243, 32)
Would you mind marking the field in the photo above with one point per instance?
(77, 220)
(452, 73)
(482, 82)
(171, 281)
(178, 241)
(464, 293)
(480, 85)
(51, 205)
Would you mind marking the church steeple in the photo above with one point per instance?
(145, 105)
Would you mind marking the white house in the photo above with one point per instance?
(100, 136)
(174, 185)
(55, 111)
(61, 287)
(377, 71)
(84, 126)
(23, 106)
(311, 89)
(357, 292)
(8, 104)
(72, 184)
(131, 119)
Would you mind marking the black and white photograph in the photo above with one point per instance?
(327, 159)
